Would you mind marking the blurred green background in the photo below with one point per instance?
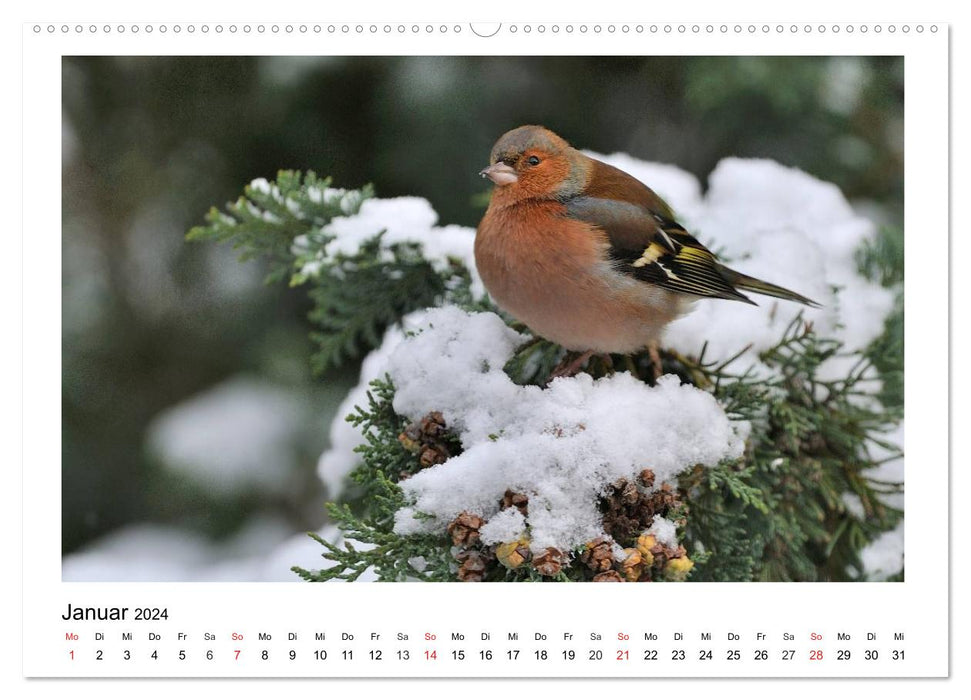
(158, 334)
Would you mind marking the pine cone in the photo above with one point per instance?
(626, 492)
(473, 566)
(511, 499)
(465, 529)
(628, 510)
(664, 499)
(609, 576)
(550, 562)
(428, 438)
(433, 454)
(598, 555)
(432, 426)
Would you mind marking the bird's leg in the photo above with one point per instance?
(655, 355)
(608, 362)
(568, 367)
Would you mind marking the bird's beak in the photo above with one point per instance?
(500, 173)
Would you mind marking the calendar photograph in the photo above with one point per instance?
(634, 319)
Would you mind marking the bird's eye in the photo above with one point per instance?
(533, 160)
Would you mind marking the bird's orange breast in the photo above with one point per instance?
(552, 273)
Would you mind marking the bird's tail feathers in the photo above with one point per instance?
(751, 284)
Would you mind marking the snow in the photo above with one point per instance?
(505, 526)
(233, 437)
(260, 185)
(138, 553)
(854, 505)
(340, 458)
(403, 220)
(561, 446)
(147, 552)
(884, 557)
(264, 551)
(664, 531)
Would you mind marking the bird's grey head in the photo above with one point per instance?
(513, 144)
(537, 162)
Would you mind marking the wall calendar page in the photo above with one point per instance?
(372, 349)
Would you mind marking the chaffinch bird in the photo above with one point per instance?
(586, 255)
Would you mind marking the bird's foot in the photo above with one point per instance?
(653, 351)
(569, 366)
